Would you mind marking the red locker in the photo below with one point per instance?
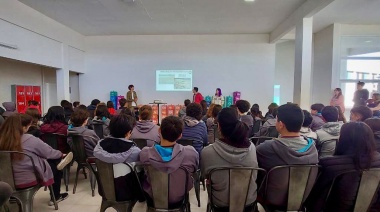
(28, 94)
(20, 98)
(37, 96)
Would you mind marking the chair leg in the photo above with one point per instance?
(197, 187)
(92, 182)
(25, 199)
(76, 178)
(208, 207)
(54, 200)
(66, 176)
(84, 173)
(103, 206)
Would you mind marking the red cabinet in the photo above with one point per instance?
(21, 94)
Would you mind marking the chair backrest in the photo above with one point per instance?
(78, 148)
(368, 187)
(327, 148)
(216, 132)
(185, 142)
(6, 170)
(272, 132)
(105, 178)
(260, 139)
(293, 182)
(240, 179)
(160, 183)
(256, 126)
(140, 143)
(52, 139)
(98, 128)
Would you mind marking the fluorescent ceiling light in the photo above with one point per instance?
(249, 0)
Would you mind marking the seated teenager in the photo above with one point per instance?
(182, 112)
(270, 122)
(79, 120)
(208, 113)
(102, 116)
(289, 149)
(210, 122)
(47, 160)
(243, 107)
(168, 156)
(360, 113)
(118, 149)
(54, 122)
(316, 112)
(92, 107)
(233, 149)
(34, 129)
(145, 128)
(111, 108)
(355, 150)
(123, 104)
(68, 109)
(194, 128)
(10, 109)
(305, 129)
(329, 131)
(374, 124)
(269, 114)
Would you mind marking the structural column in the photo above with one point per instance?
(63, 76)
(303, 63)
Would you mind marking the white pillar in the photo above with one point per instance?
(63, 77)
(303, 63)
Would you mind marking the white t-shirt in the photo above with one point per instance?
(219, 100)
(133, 100)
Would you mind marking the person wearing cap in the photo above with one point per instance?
(361, 95)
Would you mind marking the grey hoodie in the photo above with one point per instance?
(284, 151)
(221, 154)
(90, 139)
(307, 132)
(105, 122)
(182, 156)
(328, 135)
(10, 109)
(146, 130)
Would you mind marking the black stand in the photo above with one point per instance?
(158, 113)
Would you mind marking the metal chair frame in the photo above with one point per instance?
(236, 204)
(23, 197)
(296, 179)
(256, 140)
(140, 142)
(366, 190)
(98, 128)
(162, 204)
(82, 160)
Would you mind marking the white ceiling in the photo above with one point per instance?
(125, 17)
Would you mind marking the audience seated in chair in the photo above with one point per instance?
(92, 107)
(316, 112)
(374, 124)
(194, 128)
(13, 137)
(233, 149)
(68, 109)
(102, 116)
(360, 113)
(289, 149)
(182, 112)
(111, 108)
(305, 129)
(79, 120)
(210, 122)
(54, 122)
(168, 156)
(243, 107)
(10, 109)
(355, 151)
(269, 114)
(208, 113)
(34, 129)
(329, 133)
(145, 128)
(270, 122)
(118, 149)
(123, 104)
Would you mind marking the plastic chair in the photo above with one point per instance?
(196, 175)
(81, 158)
(240, 179)
(260, 139)
(23, 197)
(160, 183)
(105, 176)
(326, 148)
(293, 184)
(140, 143)
(367, 190)
(52, 140)
(98, 128)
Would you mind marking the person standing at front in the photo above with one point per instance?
(197, 97)
(361, 95)
(131, 96)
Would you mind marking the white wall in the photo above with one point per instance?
(232, 62)
(284, 74)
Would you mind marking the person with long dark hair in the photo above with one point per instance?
(218, 98)
(355, 151)
(338, 99)
(233, 149)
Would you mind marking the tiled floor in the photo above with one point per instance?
(82, 201)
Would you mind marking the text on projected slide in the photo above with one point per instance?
(174, 80)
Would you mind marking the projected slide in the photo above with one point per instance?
(174, 80)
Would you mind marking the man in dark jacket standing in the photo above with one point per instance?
(361, 95)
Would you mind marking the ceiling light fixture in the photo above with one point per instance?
(368, 41)
(249, 0)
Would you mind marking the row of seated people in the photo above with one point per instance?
(355, 150)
